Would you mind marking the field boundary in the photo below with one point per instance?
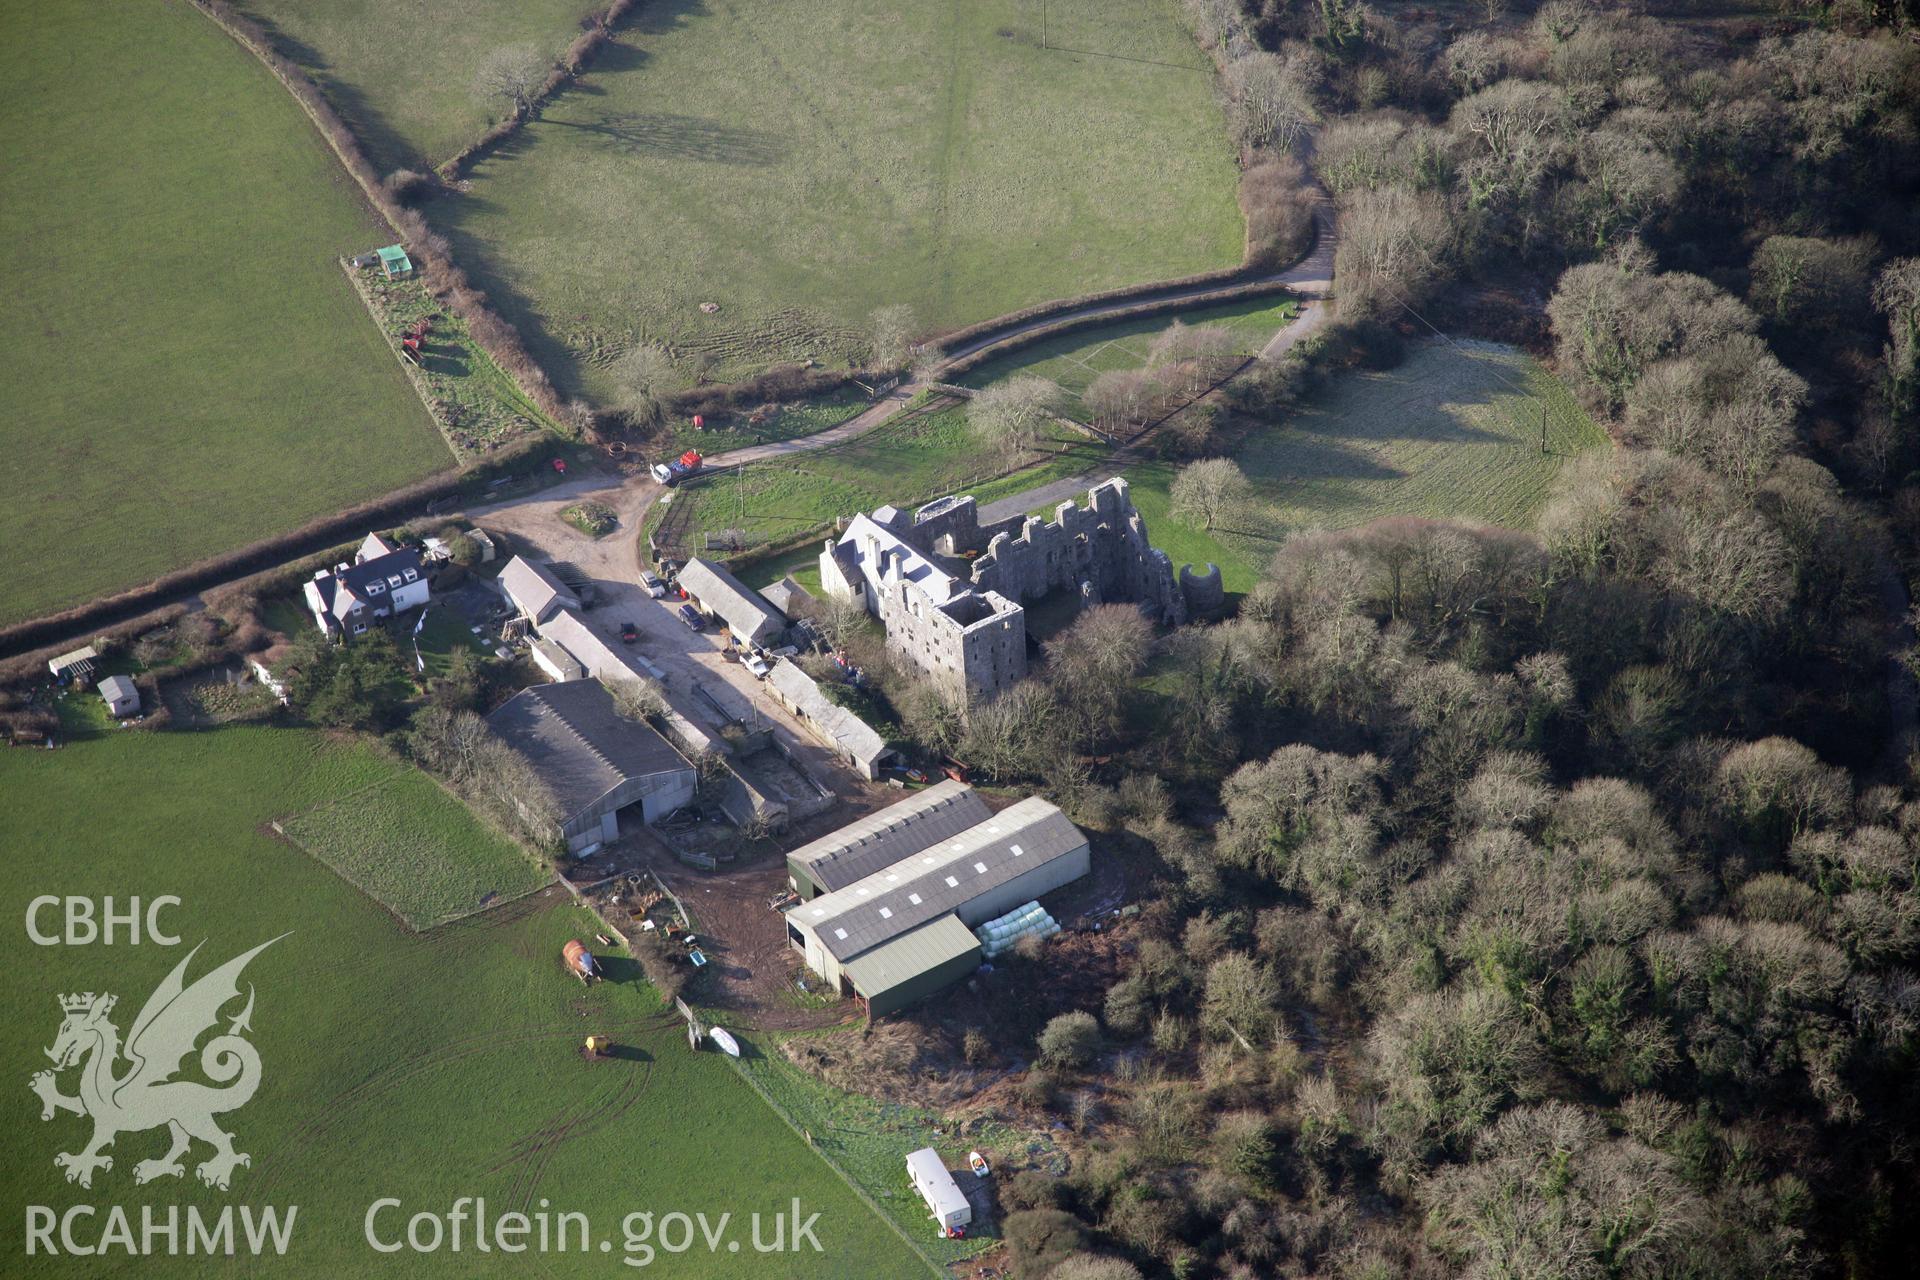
(934, 1266)
(566, 69)
(488, 329)
(1014, 341)
(279, 827)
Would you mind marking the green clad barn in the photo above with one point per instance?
(914, 965)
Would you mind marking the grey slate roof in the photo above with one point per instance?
(898, 831)
(534, 589)
(868, 541)
(787, 595)
(744, 610)
(578, 744)
(926, 885)
(593, 651)
(355, 584)
(845, 729)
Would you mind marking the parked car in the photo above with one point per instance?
(691, 616)
(628, 633)
(653, 586)
(758, 665)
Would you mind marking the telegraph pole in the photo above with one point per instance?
(1543, 428)
(1043, 24)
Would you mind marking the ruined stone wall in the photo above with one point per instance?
(1101, 550)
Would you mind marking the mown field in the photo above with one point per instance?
(407, 845)
(401, 72)
(913, 459)
(419, 1066)
(1454, 431)
(799, 164)
(187, 369)
(1072, 361)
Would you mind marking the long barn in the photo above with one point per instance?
(905, 930)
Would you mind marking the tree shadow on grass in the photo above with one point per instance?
(681, 138)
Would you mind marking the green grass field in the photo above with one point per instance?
(423, 1067)
(409, 846)
(787, 422)
(401, 72)
(1454, 431)
(913, 459)
(187, 369)
(1072, 361)
(804, 162)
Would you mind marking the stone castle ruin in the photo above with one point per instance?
(948, 589)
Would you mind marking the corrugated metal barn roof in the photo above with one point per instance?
(881, 839)
(744, 610)
(948, 875)
(579, 745)
(912, 954)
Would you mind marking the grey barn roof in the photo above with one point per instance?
(578, 744)
(846, 730)
(943, 878)
(787, 595)
(744, 610)
(898, 831)
(535, 589)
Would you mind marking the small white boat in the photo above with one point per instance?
(978, 1163)
(724, 1042)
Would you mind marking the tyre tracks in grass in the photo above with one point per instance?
(386, 1080)
(533, 1152)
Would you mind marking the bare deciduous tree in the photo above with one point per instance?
(1206, 490)
(643, 374)
(1271, 105)
(1010, 416)
(1393, 245)
(1122, 399)
(893, 328)
(512, 74)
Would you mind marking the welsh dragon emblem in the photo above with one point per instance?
(145, 1094)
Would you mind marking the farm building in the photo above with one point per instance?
(535, 590)
(788, 596)
(121, 697)
(895, 936)
(555, 661)
(881, 839)
(745, 611)
(383, 580)
(595, 761)
(75, 664)
(855, 741)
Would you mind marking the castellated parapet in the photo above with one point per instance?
(948, 588)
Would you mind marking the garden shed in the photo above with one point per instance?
(395, 263)
(121, 697)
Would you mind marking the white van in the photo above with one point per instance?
(937, 1187)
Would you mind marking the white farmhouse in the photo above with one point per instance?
(382, 581)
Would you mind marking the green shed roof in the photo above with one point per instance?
(936, 943)
(394, 258)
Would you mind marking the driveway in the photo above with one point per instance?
(699, 683)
